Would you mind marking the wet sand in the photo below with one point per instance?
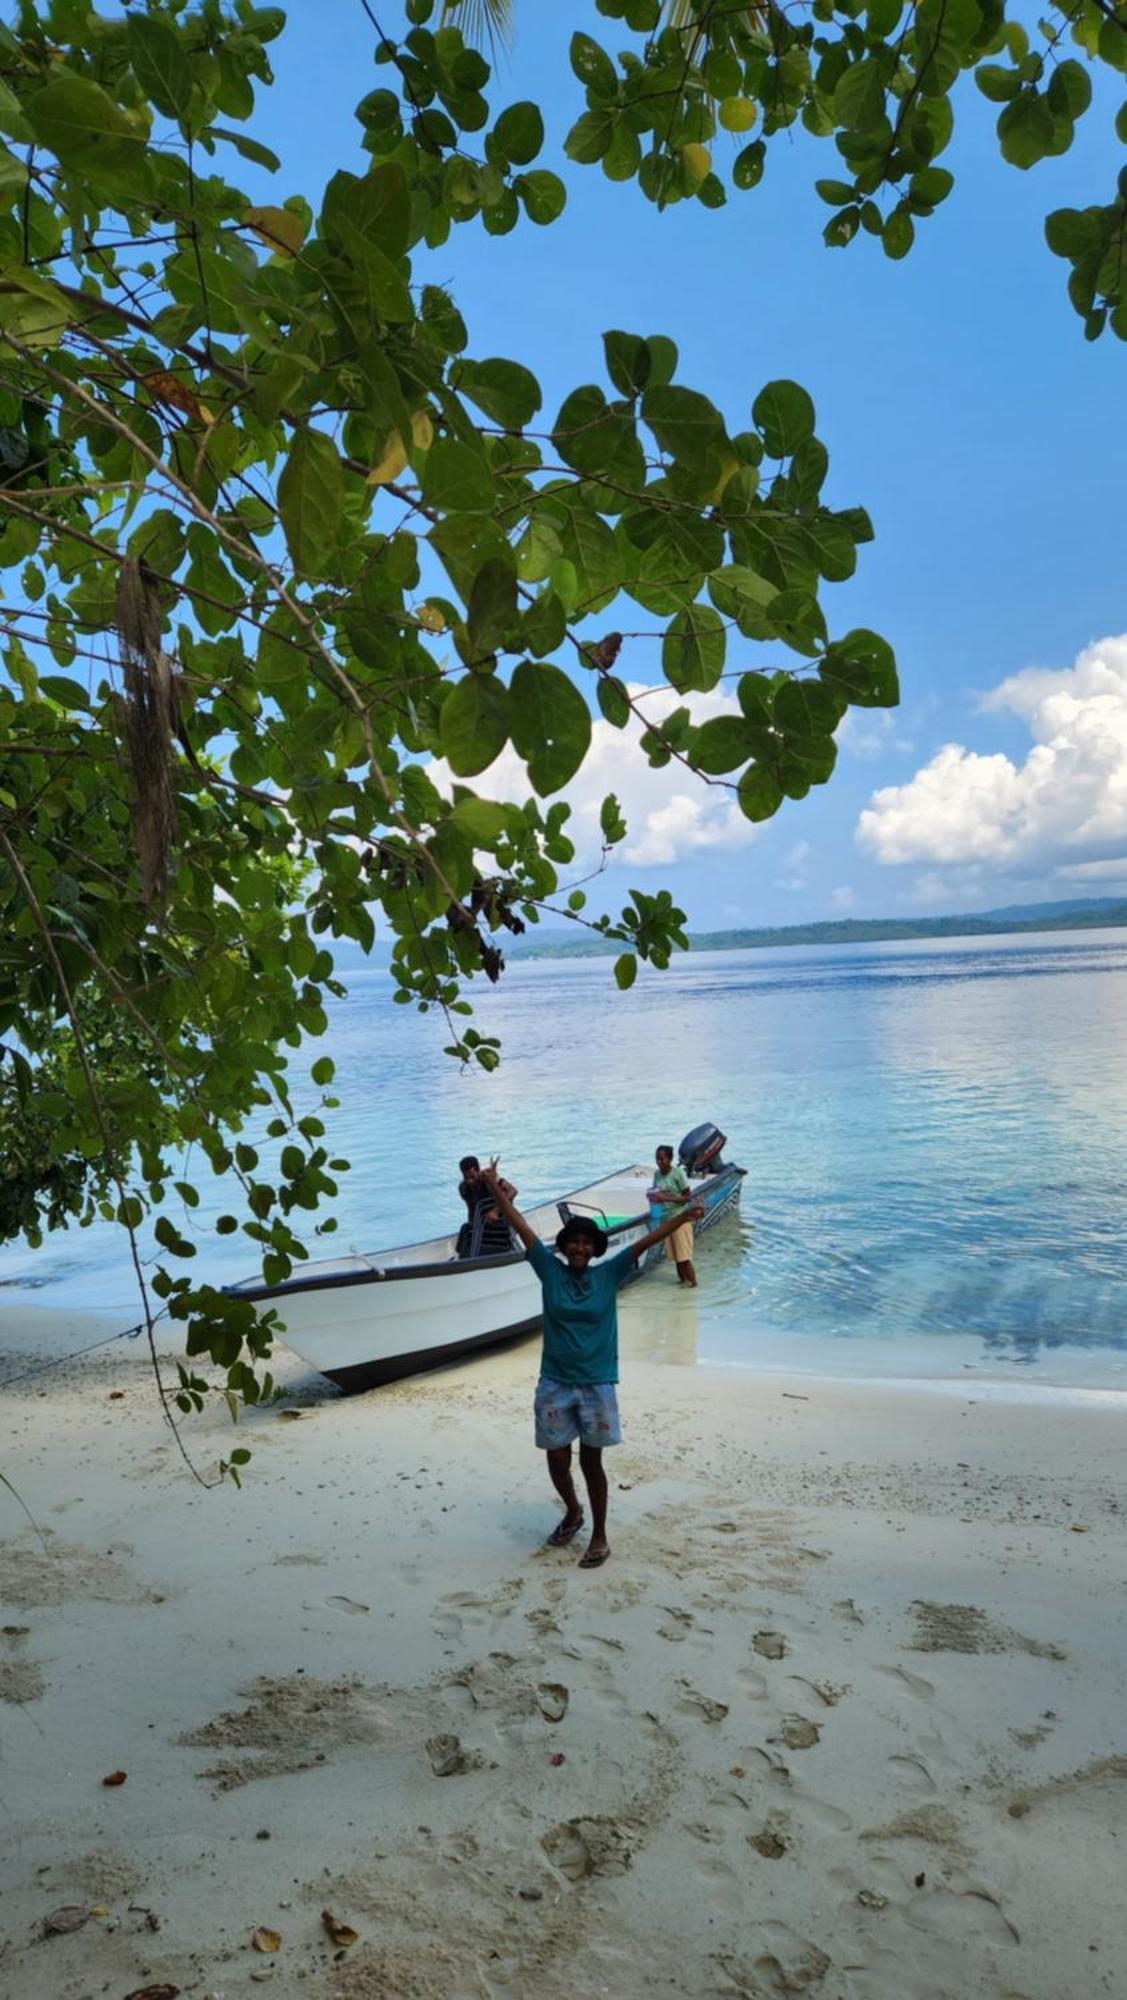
(842, 1716)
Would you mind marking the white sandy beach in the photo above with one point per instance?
(843, 1716)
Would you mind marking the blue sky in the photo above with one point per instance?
(960, 405)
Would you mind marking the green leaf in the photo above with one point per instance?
(863, 667)
(311, 501)
(997, 83)
(591, 64)
(759, 793)
(80, 123)
(475, 724)
(323, 1070)
(483, 820)
(12, 120)
(248, 149)
(506, 392)
(160, 64)
(720, 745)
(613, 700)
(625, 971)
(612, 826)
(783, 413)
(742, 594)
(685, 424)
(628, 362)
(376, 209)
(808, 708)
(590, 137)
(551, 725)
(519, 132)
(692, 653)
(67, 693)
(1072, 232)
(543, 195)
(898, 234)
(457, 480)
(1025, 130)
(492, 607)
(858, 101)
(544, 624)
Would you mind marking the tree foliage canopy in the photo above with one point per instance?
(275, 536)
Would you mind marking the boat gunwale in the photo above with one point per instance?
(447, 1266)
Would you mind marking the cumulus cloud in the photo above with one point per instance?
(1065, 805)
(671, 815)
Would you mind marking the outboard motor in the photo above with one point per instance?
(700, 1150)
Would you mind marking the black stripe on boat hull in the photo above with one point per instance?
(370, 1374)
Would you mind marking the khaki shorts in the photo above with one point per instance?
(679, 1246)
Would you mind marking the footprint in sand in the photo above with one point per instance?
(701, 1704)
(581, 1847)
(828, 1692)
(770, 1645)
(915, 1771)
(798, 1733)
(753, 1681)
(915, 1683)
(769, 1843)
(552, 1699)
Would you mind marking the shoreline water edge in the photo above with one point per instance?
(841, 1717)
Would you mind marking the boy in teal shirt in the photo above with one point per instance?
(576, 1394)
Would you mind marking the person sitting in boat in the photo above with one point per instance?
(484, 1233)
(671, 1189)
(576, 1396)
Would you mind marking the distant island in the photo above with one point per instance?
(558, 941)
(1092, 913)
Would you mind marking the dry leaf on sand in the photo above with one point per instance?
(116, 1778)
(341, 1934)
(70, 1917)
(266, 1940)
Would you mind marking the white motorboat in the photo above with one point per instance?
(366, 1319)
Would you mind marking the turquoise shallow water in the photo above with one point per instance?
(935, 1136)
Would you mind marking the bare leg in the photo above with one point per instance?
(559, 1472)
(595, 1479)
(686, 1273)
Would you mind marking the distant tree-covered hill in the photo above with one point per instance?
(1093, 913)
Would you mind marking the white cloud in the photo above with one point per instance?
(1066, 803)
(670, 814)
(796, 862)
(869, 733)
(843, 898)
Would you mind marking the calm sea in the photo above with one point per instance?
(935, 1137)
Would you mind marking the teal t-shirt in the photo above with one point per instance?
(580, 1316)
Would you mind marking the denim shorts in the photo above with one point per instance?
(568, 1410)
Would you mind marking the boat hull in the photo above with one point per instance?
(363, 1322)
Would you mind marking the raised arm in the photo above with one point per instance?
(499, 1189)
(664, 1229)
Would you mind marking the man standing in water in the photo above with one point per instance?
(671, 1187)
(576, 1394)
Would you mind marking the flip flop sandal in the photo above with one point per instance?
(593, 1561)
(563, 1534)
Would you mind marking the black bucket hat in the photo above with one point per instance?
(582, 1225)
